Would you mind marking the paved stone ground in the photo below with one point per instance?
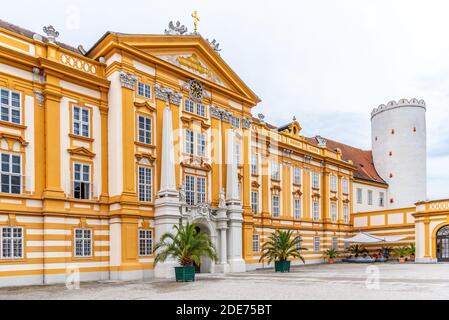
(339, 281)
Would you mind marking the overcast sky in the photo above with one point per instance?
(329, 63)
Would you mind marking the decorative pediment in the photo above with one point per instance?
(13, 138)
(276, 188)
(196, 164)
(293, 129)
(346, 201)
(145, 156)
(189, 53)
(297, 193)
(145, 105)
(255, 184)
(81, 151)
(334, 198)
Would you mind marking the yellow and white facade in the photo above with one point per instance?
(102, 152)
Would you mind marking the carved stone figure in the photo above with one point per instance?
(176, 29)
(182, 194)
(222, 199)
(51, 33)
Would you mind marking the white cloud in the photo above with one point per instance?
(327, 62)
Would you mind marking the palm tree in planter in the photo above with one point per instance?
(281, 246)
(412, 252)
(402, 253)
(358, 250)
(331, 254)
(188, 246)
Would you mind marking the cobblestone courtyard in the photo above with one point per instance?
(339, 281)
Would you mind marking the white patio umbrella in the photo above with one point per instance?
(367, 238)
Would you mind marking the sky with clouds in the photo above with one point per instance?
(327, 62)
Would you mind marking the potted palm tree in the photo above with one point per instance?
(402, 253)
(331, 254)
(188, 246)
(281, 246)
(358, 250)
(412, 252)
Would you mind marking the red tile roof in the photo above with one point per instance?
(362, 159)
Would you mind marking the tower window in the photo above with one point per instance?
(391, 175)
(391, 153)
(391, 200)
(414, 129)
(392, 131)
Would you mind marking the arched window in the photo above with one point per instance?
(443, 231)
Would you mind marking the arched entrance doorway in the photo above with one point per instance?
(207, 265)
(443, 244)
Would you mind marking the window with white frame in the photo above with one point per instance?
(11, 242)
(81, 181)
(297, 176)
(189, 106)
(381, 199)
(275, 205)
(201, 144)
(190, 190)
(335, 243)
(201, 190)
(316, 244)
(346, 213)
(145, 243)
(189, 142)
(83, 242)
(195, 190)
(345, 183)
(334, 215)
(334, 183)
(255, 202)
(359, 196)
(145, 184)
(256, 243)
(235, 122)
(145, 128)
(316, 210)
(11, 106)
(297, 208)
(144, 90)
(11, 173)
(316, 180)
(81, 121)
(275, 170)
(370, 197)
(200, 109)
(254, 164)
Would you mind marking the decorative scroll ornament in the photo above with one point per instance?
(39, 97)
(176, 29)
(51, 33)
(168, 95)
(214, 45)
(203, 209)
(128, 80)
(246, 123)
(220, 114)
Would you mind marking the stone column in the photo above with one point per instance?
(222, 227)
(167, 205)
(235, 211)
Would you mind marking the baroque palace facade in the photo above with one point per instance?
(104, 151)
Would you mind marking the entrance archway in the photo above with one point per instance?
(207, 265)
(443, 244)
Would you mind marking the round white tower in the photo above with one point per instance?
(399, 136)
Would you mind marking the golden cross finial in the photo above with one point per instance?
(196, 19)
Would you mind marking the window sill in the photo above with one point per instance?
(13, 125)
(195, 115)
(16, 261)
(145, 145)
(74, 136)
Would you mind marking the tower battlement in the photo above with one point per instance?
(399, 104)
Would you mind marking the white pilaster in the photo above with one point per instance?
(167, 213)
